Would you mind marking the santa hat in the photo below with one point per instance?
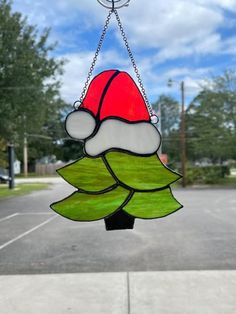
(113, 115)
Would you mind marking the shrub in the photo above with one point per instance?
(206, 175)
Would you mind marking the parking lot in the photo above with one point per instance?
(182, 264)
(35, 240)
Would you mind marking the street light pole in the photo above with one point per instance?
(182, 130)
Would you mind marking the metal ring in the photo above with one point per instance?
(114, 4)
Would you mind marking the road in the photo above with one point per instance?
(201, 236)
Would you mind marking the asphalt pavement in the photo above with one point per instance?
(35, 240)
(182, 264)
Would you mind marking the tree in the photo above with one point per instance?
(70, 150)
(3, 155)
(169, 121)
(211, 121)
(29, 85)
(118, 187)
(169, 114)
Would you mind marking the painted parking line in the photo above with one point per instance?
(38, 213)
(9, 217)
(20, 214)
(27, 232)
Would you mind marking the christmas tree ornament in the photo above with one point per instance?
(120, 176)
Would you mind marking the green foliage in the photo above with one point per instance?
(162, 204)
(206, 175)
(70, 150)
(141, 173)
(3, 154)
(87, 207)
(29, 86)
(88, 174)
(228, 182)
(168, 110)
(171, 146)
(211, 121)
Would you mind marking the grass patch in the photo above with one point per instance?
(228, 182)
(21, 189)
(35, 175)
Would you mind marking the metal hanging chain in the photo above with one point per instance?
(100, 43)
(133, 63)
(78, 103)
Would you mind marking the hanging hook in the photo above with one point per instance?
(114, 4)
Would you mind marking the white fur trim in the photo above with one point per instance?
(80, 124)
(140, 138)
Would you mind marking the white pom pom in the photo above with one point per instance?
(154, 119)
(80, 124)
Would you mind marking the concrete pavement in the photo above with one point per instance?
(193, 292)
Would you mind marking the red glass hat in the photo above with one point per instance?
(115, 94)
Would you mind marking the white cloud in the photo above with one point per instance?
(152, 24)
(168, 30)
(77, 68)
(224, 4)
(162, 23)
(171, 25)
(210, 44)
(193, 78)
(74, 76)
(54, 13)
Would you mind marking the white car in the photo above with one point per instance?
(4, 177)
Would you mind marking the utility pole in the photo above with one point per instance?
(25, 155)
(25, 149)
(182, 130)
(11, 182)
(182, 135)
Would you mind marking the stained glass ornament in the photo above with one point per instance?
(120, 176)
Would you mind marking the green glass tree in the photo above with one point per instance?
(118, 185)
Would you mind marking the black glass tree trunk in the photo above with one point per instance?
(119, 221)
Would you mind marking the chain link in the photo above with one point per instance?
(78, 103)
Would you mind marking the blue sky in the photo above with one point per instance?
(183, 40)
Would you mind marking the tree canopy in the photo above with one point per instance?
(29, 84)
(168, 110)
(211, 121)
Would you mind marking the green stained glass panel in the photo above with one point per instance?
(141, 173)
(85, 207)
(88, 174)
(162, 204)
